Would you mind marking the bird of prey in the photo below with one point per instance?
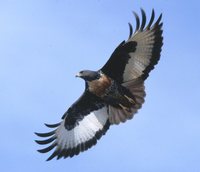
(112, 94)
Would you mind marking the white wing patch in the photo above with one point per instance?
(146, 40)
(83, 136)
(140, 59)
(84, 131)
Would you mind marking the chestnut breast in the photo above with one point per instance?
(99, 86)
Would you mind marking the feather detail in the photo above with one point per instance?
(83, 136)
(137, 56)
(136, 87)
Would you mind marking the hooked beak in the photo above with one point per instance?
(78, 75)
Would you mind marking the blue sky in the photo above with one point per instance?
(44, 43)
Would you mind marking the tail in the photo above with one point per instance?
(137, 88)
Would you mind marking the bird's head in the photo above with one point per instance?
(88, 75)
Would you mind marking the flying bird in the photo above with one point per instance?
(112, 94)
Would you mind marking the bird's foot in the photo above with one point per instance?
(130, 99)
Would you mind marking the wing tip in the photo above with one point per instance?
(52, 125)
(53, 155)
(68, 152)
(47, 141)
(143, 19)
(137, 21)
(140, 27)
(45, 134)
(47, 149)
(130, 30)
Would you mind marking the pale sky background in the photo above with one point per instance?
(44, 43)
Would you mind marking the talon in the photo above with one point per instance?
(123, 107)
(130, 99)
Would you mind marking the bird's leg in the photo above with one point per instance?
(130, 99)
(123, 107)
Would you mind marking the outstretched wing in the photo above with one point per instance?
(82, 125)
(137, 56)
